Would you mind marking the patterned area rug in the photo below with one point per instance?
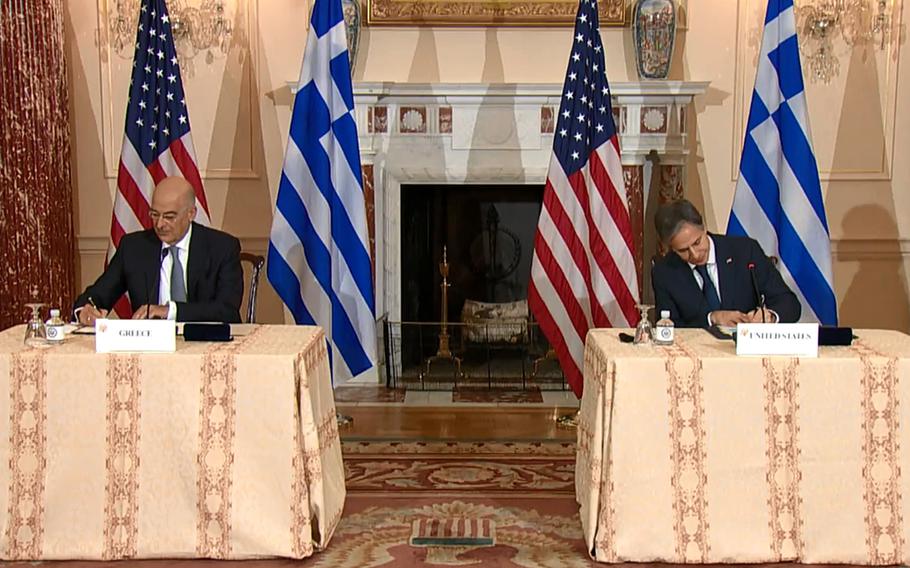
(491, 468)
(458, 504)
(530, 533)
(480, 394)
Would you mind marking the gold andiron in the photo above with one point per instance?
(444, 352)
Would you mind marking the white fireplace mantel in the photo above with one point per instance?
(550, 91)
(520, 116)
(498, 134)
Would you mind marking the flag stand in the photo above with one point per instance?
(566, 420)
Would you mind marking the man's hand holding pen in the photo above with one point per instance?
(90, 312)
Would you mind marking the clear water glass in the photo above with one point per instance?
(643, 332)
(35, 332)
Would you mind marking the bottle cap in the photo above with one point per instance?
(665, 314)
(55, 313)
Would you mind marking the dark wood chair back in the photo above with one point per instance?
(256, 263)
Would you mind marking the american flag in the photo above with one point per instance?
(583, 271)
(157, 142)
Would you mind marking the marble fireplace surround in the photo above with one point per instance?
(500, 134)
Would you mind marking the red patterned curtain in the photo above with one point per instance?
(37, 253)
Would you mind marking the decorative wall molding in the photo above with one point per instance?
(613, 13)
(115, 70)
(92, 245)
(869, 249)
(97, 246)
(487, 12)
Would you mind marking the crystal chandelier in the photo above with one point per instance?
(857, 22)
(196, 28)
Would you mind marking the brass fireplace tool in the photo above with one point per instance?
(444, 352)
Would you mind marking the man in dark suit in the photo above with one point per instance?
(707, 279)
(177, 270)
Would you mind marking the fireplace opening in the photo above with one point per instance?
(488, 232)
(487, 338)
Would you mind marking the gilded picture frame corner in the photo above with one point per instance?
(467, 13)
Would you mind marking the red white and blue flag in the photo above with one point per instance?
(157, 142)
(583, 271)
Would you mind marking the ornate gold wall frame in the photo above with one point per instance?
(487, 12)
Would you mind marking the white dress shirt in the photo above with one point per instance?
(711, 265)
(167, 266)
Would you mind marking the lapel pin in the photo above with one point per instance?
(729, 260)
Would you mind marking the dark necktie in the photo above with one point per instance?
(708, 288)
(178, 288)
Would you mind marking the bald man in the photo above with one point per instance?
(176, 270)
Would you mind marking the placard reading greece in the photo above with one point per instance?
(135, 336)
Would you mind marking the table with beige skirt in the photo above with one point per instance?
(691, 454)
(220, 450)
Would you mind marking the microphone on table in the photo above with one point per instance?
(759, 298)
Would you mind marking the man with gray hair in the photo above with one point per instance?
(176, 270)
(707, 279)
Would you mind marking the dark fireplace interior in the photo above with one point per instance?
(488, 231)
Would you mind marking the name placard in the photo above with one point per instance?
(795, 339)
(135, 336)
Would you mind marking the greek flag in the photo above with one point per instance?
(319, 260)
(778, 197)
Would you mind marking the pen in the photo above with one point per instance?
(92, 303)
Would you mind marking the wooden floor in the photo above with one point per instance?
(399, 422)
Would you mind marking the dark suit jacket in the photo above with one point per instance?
(676, 289)
(214, 277)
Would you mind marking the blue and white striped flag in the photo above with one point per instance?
(778, 199)
(319, 259)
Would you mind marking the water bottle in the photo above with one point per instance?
(54, 328)
(663, 329)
